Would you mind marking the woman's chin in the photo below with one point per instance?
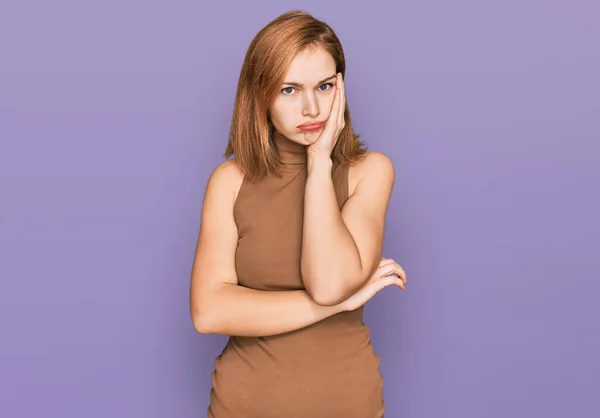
(309, 137)
(309, 140)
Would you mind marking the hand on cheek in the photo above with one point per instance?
(326, 141)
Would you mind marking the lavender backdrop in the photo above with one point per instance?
(113, 114)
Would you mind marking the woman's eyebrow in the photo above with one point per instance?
(292, 83)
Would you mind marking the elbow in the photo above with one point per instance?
(203, 323)
(322, 292)
(334, 292)
(207, 314)
(327, 300)
(328, 296)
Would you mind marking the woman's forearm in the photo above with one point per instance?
(240, 311)
(328, 249)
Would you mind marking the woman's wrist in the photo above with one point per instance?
(318, 163)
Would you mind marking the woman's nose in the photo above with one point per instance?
(310, 105)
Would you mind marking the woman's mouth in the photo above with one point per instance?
(312, 126)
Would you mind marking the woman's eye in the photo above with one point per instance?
(290, 90)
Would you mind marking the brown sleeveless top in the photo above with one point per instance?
(327, 369)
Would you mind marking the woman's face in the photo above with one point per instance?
(305, 96)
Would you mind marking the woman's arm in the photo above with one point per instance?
(237, 310)
(218, 305)
(341, 249)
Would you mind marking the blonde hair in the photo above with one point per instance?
(267, 59)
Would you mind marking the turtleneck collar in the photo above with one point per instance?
(289, 152)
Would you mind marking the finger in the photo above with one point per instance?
(400, 271)
(342, 104)
(335, 106)
(393, 281)
(389, 263)
(342, 100)
(331, 123)
(385, 261)
(392, 268)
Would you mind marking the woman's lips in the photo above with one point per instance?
(313, 127)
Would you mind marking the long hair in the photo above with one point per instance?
(266, 62)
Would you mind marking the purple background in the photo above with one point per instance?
(113, 115)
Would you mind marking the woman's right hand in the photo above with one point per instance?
(383, 276)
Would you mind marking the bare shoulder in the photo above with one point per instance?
(375, 168)
(227, 177)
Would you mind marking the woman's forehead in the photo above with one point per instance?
(310, 67)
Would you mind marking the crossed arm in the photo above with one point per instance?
(340, 252)
(341, 249)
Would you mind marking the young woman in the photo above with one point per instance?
(291, 237)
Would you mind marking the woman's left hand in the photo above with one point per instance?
(326, 141)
